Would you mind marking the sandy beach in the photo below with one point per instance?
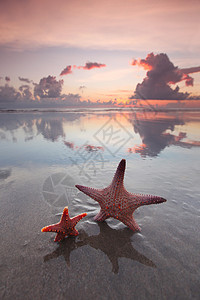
(107, 260)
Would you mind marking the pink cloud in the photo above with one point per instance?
(66, 71)
(90, 66)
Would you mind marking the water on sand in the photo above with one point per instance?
(43, 155)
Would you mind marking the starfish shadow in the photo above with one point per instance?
(114, 243)
(65, 248)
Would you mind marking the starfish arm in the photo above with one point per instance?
(73, 232)
(119, 174)
(130, 222)
(65, 215)
(59, 237)
(101, 216)
(76, 219)
(140, 200)
(52, 228)
(93, 193)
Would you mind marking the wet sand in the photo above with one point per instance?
(106, 260)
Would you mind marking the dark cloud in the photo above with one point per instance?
(82, 87)
(189, 80)
(8, 94)
(66, 71)
(71, 99)
(196, 97)
(48, 87)
(191, 70)
(90, 65)
(24, 86)
(25, 92)
(63, 100)
(46, 94)
(160, 74)
(7, 78)
(24, 79)
(12, 98)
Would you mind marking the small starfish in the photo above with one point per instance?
(116, 202)
(65, 227)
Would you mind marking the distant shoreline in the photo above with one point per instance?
(81, 110)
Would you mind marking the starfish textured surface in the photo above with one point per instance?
(65, 227)
(116, 202)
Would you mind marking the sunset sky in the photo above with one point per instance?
(95, 47)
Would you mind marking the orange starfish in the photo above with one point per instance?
(116, 202)
(65, 227)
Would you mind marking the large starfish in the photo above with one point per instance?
(65, 227)
(116, 202)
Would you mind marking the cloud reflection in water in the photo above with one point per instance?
(156, 131)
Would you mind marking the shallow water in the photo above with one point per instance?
(44, 154)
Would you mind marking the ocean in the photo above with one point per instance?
(45, 153)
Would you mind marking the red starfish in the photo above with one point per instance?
(116, 202)
(65, 227)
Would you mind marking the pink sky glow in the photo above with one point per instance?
(91, 43)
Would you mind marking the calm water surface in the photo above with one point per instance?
(44, 154)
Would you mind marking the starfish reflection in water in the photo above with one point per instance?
(114, 243)
(116, 202)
